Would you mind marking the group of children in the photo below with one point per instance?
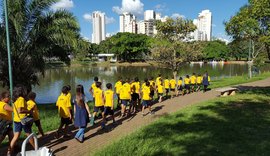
(130, 94)
(24, 105)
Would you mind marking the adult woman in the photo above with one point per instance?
(205, 81)
(82, 113)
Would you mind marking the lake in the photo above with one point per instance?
(53, 80)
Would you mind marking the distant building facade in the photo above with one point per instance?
(99, 33)
(128, 23)
(204, 26)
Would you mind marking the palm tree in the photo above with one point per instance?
(36, 33)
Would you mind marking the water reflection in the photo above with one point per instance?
(54, 79)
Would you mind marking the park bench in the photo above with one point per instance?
(227, 91)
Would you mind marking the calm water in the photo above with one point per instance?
(54, 79)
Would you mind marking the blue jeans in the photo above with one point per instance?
(80, 134)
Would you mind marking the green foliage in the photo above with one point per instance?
(215, 50)
(238, 49)
(36, 33)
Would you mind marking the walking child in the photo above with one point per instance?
(31, 105)
(173, 86)
(180, 86)
(187, 84)
(199, 82)
(135, 96)
(146, 98)
(109, 100)
(160, 91)
(193, 82)
(167, 86)
(117, 87)
(125, 96)
(82, 113)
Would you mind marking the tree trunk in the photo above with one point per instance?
(250, 63)
(175, 74)
(267, 47)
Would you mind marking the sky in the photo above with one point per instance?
(221, 10)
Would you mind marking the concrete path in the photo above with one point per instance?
(96, 138)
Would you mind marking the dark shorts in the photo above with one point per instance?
(37, 122)
(193, 85)
(180, 88)
(125, 102)
(187, 86)
(18, 127)
(146, 103)
(66, 121)
(134, 96)
(199, 84)
(173, 90)
(167, 90)
(108, 111)
(99, 108)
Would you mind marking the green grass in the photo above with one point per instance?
(237, 125)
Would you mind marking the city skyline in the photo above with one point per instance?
(221, 11)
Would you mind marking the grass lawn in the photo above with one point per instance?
(237, 125)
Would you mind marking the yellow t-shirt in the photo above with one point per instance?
(166, 84)
(179, 83)
(30, 105)
(118, 86)
(172, 83)
(160, 89)
(125, 92)
(98, 97)
(143, 85)
(199, 80)
(108, 98)
(146, 93)
(186, 80)
(209, 79)
(158, 81)
(193, 79)
(3, 113)
(64, 106)
(19, 103)
(93, 86)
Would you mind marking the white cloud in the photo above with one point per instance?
(177, 15)
(63, 4)
(88, 17)
(133, 6)
(108, 20)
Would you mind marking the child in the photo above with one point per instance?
(20, 111)
(160, 91)
(64, 109)
(172, 86)
(31, 105)
(125, 96)
(6, 114)
(167, 86)
(82, 113)
(146, 98)
(193, 82)
(205, 81)
(180, 87)
(117, 87)
(158, 82)
(135, 96)
(187, 84)
(93, 87)
(99, 104)
(199, 82)
(108, 96)
(152, 87)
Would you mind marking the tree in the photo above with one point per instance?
(36, 33)
(170, 51)
(238, 49)
(215, 50)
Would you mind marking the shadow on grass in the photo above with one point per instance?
(224, 127)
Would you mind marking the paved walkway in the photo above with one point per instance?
(96, 138)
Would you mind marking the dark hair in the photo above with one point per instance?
(95, 78)
(69, 87)
(136, 79)
(187, 76)
(147, 83)
(193, 74)
(181, 78)
(19, 91)
(166, 77)
(80, 89)
(109, 86)
(65, 90)
(4, 94)
(159, 75)
(32, 95)
(98, 84)
(146, 80)
(127, 80)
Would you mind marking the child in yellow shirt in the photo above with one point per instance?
(173, 86)
(180, 86)
(31, 105)
(160, 91)
(109, 106)
(187, 84)
(193, 82)
(146, 98)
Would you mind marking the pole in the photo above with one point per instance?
(9, 53)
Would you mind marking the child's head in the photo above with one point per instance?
(181, 78)
(159, 75)
(120, 78)
(136, 79)
(109, 86)
(187, 76)
(172, 77)
(98, 84)
(79, 89)
(167, 77)
(69, 87)
(32, 96)
(65, 90)
(19, 91)
(147, 83)
(96, 79)
(127, 80)
(5, 96)
(193, 74)
(146, 80)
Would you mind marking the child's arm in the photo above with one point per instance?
(112, 102)
(88, 109)
(74, 109)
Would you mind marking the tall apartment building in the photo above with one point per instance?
(149, 15)
(204, 26)
(128, 23)
(99, 33)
